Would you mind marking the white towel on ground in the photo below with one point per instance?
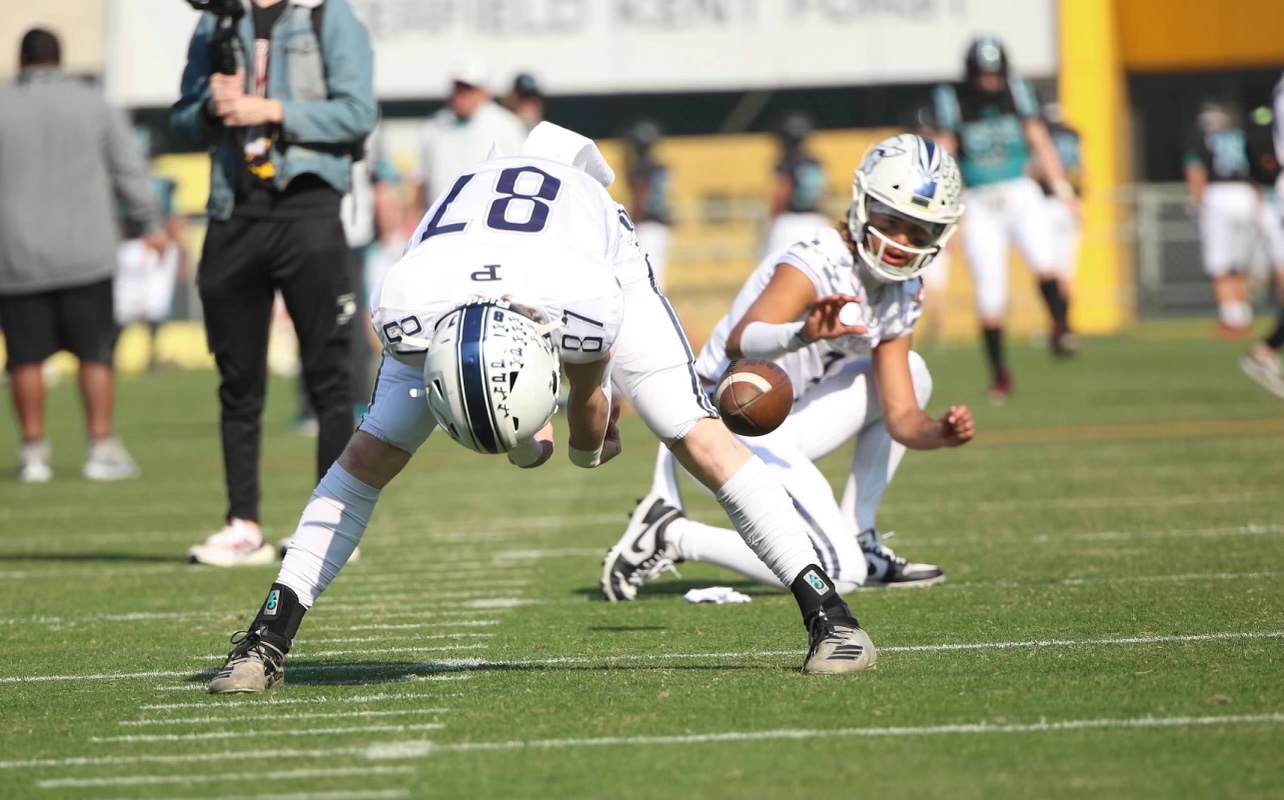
(716, 594)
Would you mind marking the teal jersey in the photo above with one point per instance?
(990, 129)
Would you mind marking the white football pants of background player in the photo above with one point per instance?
(843, 406)
(788, 228)
(997, 215)
(653, 237)
(1228, 226)
(1066, 234)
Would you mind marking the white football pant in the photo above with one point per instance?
(997, 215)
(1228, 221)
(1066, 235)
(842, 407)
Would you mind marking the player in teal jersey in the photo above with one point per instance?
(992, 123)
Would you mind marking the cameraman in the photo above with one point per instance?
(282, 124)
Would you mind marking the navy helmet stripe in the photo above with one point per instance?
(472, 377)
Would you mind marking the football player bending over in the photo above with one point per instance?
(853, 375)
(538, 228)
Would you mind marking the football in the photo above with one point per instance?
(753, 397)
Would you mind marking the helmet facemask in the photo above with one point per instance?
(872, 219)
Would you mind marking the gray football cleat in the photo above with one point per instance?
(254, 665)
(838, 645)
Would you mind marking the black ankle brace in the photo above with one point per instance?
(815, 592)
(280, 615)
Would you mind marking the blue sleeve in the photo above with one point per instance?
(350, 111)
(1024, 98)
(945, 105)
(187, 118)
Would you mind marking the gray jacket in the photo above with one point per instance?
(63, 150)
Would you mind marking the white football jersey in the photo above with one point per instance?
(540, 231)
(888, 311)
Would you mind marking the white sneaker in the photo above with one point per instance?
(1264, 370)
(283, 547)
(109, 461)
(237, 544)
(33, 462)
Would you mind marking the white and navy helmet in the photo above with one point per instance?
(914, 178)
(491, 376)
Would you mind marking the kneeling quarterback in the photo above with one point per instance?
(836, 313)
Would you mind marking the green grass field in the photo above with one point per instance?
(1112, 627)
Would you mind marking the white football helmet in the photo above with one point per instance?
(491, 376)
(915, 179)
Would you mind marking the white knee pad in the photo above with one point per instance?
(922, 378)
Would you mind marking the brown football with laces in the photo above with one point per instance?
(753, 397)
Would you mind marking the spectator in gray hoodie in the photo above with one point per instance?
(64, 154)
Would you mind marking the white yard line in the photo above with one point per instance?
(256, 776)
(239, 717)
(417, 595)
(446, 665)
(418, 748)
(355, 794)
(393, 611)
(393, 637)
(374, 666)
(253, 701)
(1191, 577)
(554, 552)
(208, 735)
(1077, 503)
(1097, 536)
(99, 571)
(365, 651)
(382, 751)
(377, 678)
(407, 626)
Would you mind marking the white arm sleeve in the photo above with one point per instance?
(771, 341)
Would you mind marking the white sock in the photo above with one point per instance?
(764, 515)
(1236, 313)
(721, 547)
(330, 529)
(665, 480)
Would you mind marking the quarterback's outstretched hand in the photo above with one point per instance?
(957, 426)
(826, 320)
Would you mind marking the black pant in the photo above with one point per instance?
(360, 352)
(243, 262)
